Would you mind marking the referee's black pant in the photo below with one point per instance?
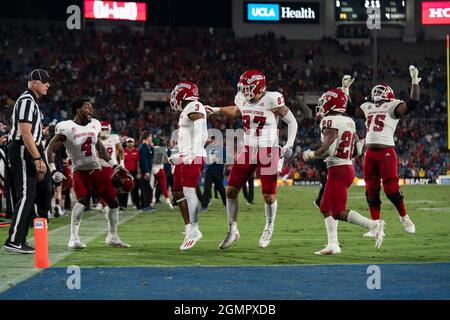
(216, 177)
(24, 180)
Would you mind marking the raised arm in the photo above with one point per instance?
(404, 108)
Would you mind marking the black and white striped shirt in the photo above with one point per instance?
(26, 110)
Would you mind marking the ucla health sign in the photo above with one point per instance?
(282, 12)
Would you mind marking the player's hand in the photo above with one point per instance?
(308, 155)
(209, 110)
(286, 151)
(360, 146)
(41, 168)
(188, 159)
(414, 74)
(174, 160)
(347, 81)
(57, 176)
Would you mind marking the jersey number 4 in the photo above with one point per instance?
(379, 122)
(86, 147)
(346, 146)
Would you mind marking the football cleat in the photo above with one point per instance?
(76, 244)
(408, 224)
(369, 234)
(114, 241)
(266, 236)
(229, 239)
(191, 239)
(379, 234)
(331, 248)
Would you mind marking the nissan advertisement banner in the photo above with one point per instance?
(115, 10)
(282, 12)
(436, 12)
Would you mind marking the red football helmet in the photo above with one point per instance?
(332, 100)
(106, 129)
(251, 83)
(382, 92)
(184, 90)
(122, 180)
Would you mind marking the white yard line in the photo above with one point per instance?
(16, 268)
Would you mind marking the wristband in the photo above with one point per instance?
(52, 167)
(122, 163)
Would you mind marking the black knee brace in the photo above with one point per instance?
(113, 204)
(396, 197)
(84, 201)
(376, 202)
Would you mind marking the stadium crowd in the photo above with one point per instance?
(114, 68)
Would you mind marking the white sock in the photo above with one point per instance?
(331, 226)
(77, 213)
(192, 202)
(193, 227)
(271, 213)
(355, 218)
(112, 215)
(232, 212)
(186, 228)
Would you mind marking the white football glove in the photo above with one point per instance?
(414, 74)
(175, 159)
(187, 159)
(347, 81)
(308, 154)
(360, 146)
(286, 151)
(58, 176)
(209, 110)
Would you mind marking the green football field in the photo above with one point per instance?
(299, 231)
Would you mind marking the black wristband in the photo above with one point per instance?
(38, 158)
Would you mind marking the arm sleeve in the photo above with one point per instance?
(291, 122)
(26, 109)
(200, 136)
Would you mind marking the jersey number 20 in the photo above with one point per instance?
(346, 146)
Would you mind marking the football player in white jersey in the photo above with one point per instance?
(192, 136)
(380, 160)
(113, 146)
(260, 111)
(112, 143)
(338, 136)
(81, 137)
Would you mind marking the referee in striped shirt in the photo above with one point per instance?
(25, 153)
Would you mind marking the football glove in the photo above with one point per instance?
(414, 74)
(286, 151)
(347, 81)
(57, 176)
(308, 155)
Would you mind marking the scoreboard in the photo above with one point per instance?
(356, 10)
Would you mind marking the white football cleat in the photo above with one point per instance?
(114, 241)
(408, 224)
(231, 237)
(266, 236)
(76, 244)
(369, 234)
(331, 248)
(379, 234)
(191, 239)
(169, 203)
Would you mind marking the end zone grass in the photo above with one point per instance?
(155, 237)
